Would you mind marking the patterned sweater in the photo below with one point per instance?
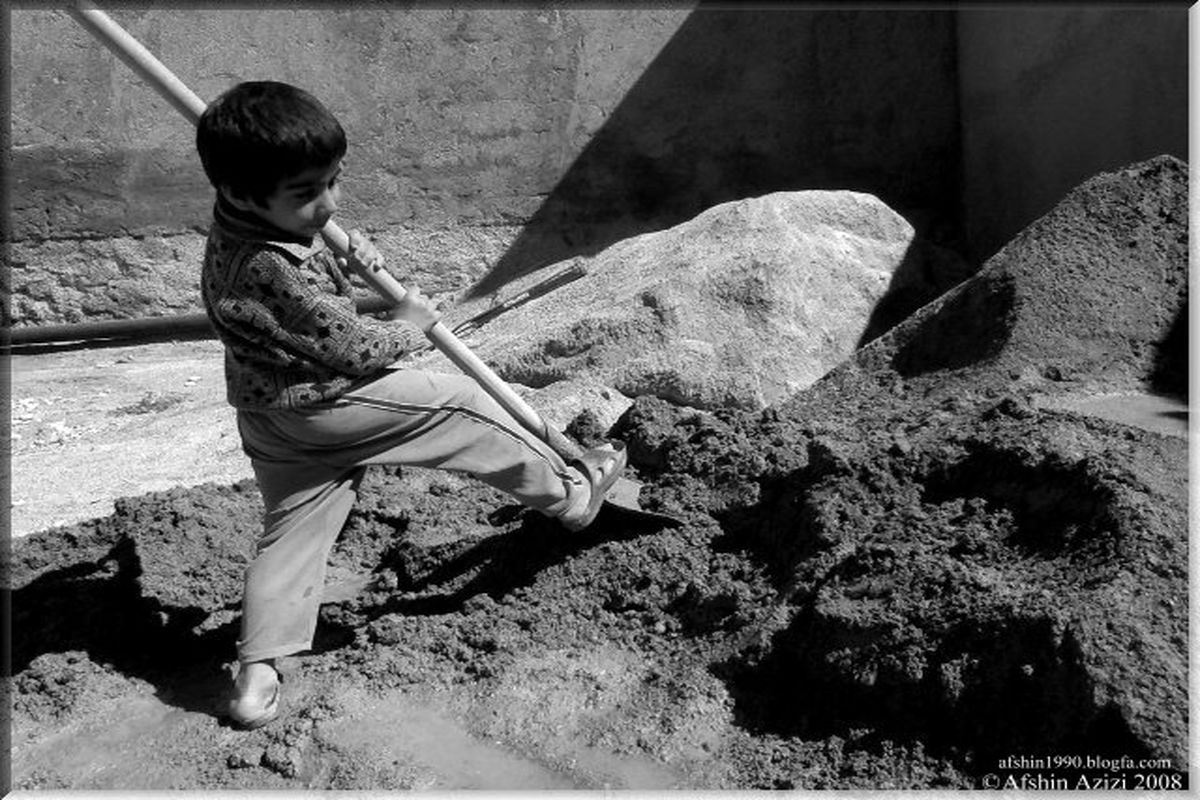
(285, 312)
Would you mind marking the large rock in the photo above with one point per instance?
(743, 305)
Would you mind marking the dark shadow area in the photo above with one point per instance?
(925, 273)
(1057, 509)
(992, 689)
(741, 104)
(973, 684)
(1169, 373)
(96, 607)
(780, 531)
(785, 523)
(500, 564)
(970, 328)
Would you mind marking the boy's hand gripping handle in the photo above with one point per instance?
(144, 63)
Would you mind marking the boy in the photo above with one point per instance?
(317, 396)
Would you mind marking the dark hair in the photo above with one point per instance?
(259, 133)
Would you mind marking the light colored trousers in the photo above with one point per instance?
(309, 464)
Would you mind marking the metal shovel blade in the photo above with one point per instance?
(621, 506)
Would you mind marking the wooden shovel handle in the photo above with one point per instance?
(154, 72)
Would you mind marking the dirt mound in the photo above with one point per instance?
(990, 580)
(960, 567)
(1094, 292)
(895, 579)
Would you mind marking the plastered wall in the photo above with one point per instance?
(1051, 95)
(460, 122)
(486, 142)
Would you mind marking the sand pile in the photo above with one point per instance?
(893, 579)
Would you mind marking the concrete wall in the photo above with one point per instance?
(485, 142)
(1053, 95)
(460, 122)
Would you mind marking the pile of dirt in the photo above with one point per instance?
(961, 567)
(895, 579)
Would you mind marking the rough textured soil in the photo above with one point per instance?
(948, 551)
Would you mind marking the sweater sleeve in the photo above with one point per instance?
(297, 312)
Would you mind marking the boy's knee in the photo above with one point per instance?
(465, 392)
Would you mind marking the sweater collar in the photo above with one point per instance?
(249, 226)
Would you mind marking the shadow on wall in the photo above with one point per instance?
(1169, 371)
(740, 104)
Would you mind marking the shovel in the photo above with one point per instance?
(621, 501)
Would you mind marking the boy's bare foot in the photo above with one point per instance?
(255, 700)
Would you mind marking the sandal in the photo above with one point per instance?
(601, 466)
(249, 710)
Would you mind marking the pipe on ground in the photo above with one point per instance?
(183, 326)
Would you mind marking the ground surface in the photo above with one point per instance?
(965, 544)
(480, 655)
(156, 415)
(93, 425)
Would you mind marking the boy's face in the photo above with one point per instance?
(303, 203)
